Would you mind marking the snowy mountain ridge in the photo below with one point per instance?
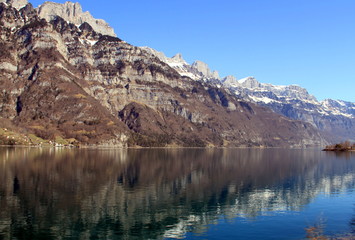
(198, 70)
(265, 93)
(252, 89)
(334, 117)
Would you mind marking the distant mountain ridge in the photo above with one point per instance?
(335, 118)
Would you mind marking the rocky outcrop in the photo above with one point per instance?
(73, 13)
(230, 80)
(205, 70)
(18, 4)
(62, 79)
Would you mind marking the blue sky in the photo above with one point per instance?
(310, 43)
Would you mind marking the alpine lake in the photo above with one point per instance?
(58, 193)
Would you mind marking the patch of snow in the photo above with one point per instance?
(175, 64)
(92, 42)
(233, 85)
(341, 103)
(310, 101)
(279, 87)
(243, 80)
(337, 112)
(262, 99)
(21, 7)
(322, 112)
(190, 75)
(260, 90)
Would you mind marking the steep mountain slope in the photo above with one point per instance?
(334, 118)
(39, 88)
(58, 78)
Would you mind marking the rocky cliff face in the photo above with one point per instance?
(61, 79)
(72, 12)
(18, 4)
(205, 70)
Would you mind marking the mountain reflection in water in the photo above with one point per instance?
(156, 193)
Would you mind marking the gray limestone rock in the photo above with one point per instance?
(18, 4)
(230, 81)
(73, 13)
(205, 70)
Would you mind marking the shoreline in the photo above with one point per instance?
(139, 147)
(338, 150)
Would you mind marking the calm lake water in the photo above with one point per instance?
(175, 194)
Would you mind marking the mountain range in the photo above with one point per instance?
(335, 119)
(67, 75)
